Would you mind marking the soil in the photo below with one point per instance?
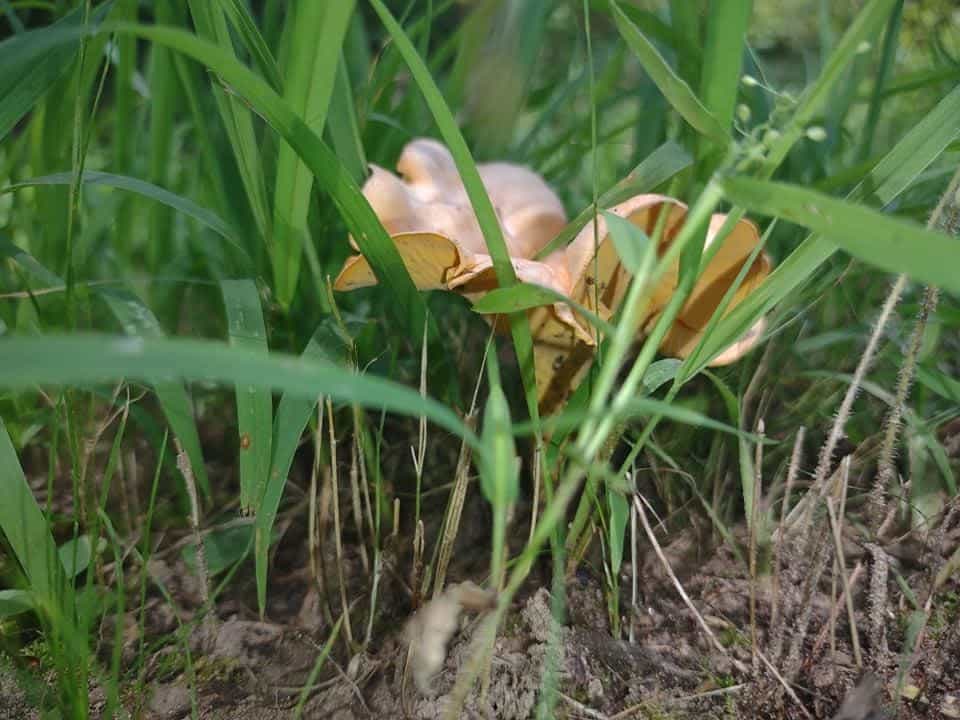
(664, 666)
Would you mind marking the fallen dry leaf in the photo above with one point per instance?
(430, 629)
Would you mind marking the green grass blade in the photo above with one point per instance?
(310, 75)
(27, 71)
(894, 245)
(674, 88)
(343, 128)
(891, 176)
(727, 24)
(890, 39)
(618, 513)
(138, 320)
(486, 215)
(315, 670)
(246, 329)
(328, 171)
(211, 24)
(202, 215)
(164, 96)
(292, 416)
(498, 472)
(238, 13)
(25, 528)
(865, 26)
(29, 361)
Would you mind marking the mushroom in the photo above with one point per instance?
(430, 219)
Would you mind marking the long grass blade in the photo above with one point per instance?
(246, 329)
(674, 88)
(292, 416)
(212, 24)
(26, 530)
(29, 361)
(894, 245)
(310, 71)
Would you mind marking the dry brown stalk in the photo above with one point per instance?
(782, 596)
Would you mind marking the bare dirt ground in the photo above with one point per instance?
(245, 668)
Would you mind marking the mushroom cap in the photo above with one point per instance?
(428, 216)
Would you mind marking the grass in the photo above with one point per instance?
(177, 184)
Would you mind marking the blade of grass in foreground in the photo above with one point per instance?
(247, 329)
(29, 361)
(674, 89)
(891, 244)
(311, 69)
(486, 215)
(292, 416)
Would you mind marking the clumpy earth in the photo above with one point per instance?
(233, 665)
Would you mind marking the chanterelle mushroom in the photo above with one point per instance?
(430, 219)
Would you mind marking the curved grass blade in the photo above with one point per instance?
(138, 320)
(892, 244)
(29, 361)
(674, 88)
(246, 329)
(202, 215)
